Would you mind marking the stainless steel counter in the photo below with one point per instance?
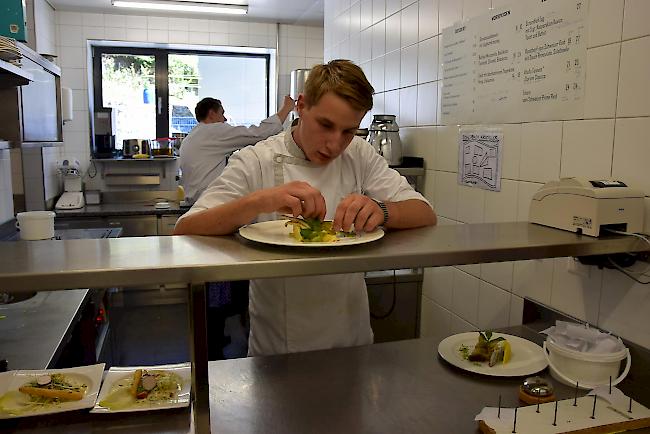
(33, 330)
(385, 388)
(50, 265)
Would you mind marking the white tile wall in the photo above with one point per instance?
(299, 47)
(633, 89)
(587, 149)
(541, 149)
(635, 21)
(611, 140)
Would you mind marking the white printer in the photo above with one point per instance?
(582, 206)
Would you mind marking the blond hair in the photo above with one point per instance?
(342, 77)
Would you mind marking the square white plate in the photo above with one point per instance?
(116, 373)
(90, 375)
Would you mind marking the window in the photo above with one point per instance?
(153, 91)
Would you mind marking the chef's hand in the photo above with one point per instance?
(287, 106)
(360, 210)
(296, 198)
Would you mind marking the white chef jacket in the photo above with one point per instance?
(205, 150)
(315, 312)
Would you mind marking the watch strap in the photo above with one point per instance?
(384, 209)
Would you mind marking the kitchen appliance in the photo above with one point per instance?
(298, 79)
(72, 197)
(586, 207)
(104, 133)
(384, 137)
(163, 147)
(31, 114)
(131, 147)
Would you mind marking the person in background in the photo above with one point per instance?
(205, 151)
(318, 169)
(203, 155)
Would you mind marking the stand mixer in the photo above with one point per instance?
(73, 197)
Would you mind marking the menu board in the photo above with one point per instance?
(525, 62)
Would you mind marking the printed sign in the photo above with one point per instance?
(479, 158)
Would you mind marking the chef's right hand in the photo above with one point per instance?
(297, 198)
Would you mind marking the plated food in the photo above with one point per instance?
(144, 388)
(26, 393)
(488, 350)
(278, 233)
(310, 230)
(511, 356)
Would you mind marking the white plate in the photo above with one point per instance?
(115, 374)
(275, 232)
(527, 357)
(89, 375)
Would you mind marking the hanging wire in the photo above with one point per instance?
(631, 274)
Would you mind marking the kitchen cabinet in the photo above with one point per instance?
(134, 226)
(166, 224)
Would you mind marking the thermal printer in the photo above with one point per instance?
(586, 207)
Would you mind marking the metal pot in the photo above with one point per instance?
(298, 79)
(384, 137)
(132, 147)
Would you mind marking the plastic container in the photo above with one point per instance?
(588, 369)
(35, 225)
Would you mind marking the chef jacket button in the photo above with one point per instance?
(278, 159)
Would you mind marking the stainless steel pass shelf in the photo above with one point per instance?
(52, 265)
(12, 75)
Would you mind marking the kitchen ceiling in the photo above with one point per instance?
(301, 12)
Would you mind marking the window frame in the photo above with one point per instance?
(161, 80)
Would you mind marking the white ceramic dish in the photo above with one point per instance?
(89, 375)
(117, 374)
(275, 232)
(527, 357)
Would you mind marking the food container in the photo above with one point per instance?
(163, 147)
(35, 225)
(587, 369)
(93, 197)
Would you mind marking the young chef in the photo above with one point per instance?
(206, 149)
(318, 169)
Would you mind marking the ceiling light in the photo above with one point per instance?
(182, 6)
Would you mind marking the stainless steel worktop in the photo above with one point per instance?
(385, 388)
(34, 329)
(51, 265)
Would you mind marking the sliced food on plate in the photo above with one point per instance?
(145, 388)
(26, 393)
(488, 350)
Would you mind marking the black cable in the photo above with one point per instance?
(94, 170)
(630, 274)
(393, 303)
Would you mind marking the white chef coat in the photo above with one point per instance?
(316, 312)
(205, 150)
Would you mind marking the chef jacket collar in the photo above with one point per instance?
(291, 145)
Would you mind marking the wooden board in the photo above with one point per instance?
(570, 419)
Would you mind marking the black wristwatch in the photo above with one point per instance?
(384, 209)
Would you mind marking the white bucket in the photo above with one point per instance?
(35, 225)
(589, 370)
